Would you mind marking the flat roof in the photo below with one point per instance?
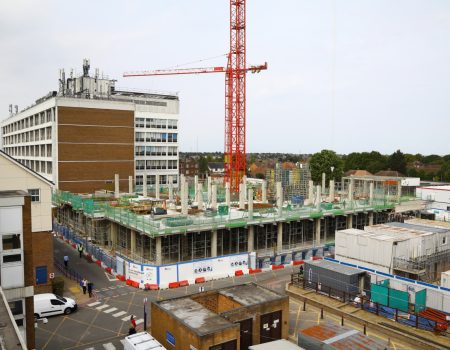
(250, 294)
(417, 227)
(329, 265)
(281, 344)
(195, 316)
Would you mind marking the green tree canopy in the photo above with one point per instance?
(322, 162)
(397, 161)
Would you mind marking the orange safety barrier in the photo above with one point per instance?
(298, 262)
(120, 277)
(238, 273)
(200, 280)
(183, 283)
(150, 286)
(108, 269)
(99, 262)
(135, 284)
(174, 284)
(317, 258)
(252, 271)
(128, 282)
(277, 267)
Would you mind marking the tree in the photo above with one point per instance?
(322, 162)
(397, 161)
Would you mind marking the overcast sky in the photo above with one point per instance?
(347, 75)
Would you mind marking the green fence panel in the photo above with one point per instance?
(379, 294)
(399, 300)
(421, 300)
(384, 283)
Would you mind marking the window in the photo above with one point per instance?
(12, 258)
(140, 164)
(16, 307)
(35, 195)
(56, 302)
(139, 179)
(172, 137)
(140, 137)
(139, 122)
(11, 241)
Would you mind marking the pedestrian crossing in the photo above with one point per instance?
(109, 310)
(108, 346)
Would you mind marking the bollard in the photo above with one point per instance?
(304, 305)
(321, 313)
(365, 329)
(342, 320)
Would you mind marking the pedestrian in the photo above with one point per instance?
(80, 249)
(133, 321)
(89, 288)
(66, 261)
(84, 284)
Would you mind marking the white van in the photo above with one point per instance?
(141, 341)
(49, 304)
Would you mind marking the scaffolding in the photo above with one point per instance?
(295, 182)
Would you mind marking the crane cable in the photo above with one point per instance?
(197, 61)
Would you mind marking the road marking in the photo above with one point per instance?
(109, 278)
(139, 321)
(126, 318)
(114, 287)
(93, 304)
(90, 349)
(110, 310)
(102, 307)
(109, 346)
(119, 314)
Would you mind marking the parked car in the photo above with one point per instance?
(49, 304)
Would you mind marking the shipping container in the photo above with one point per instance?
(324, 275)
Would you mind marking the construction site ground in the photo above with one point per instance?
(395, 335)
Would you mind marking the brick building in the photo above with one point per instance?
(82, 135)
(227, 319)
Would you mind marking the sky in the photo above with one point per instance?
(351, 76)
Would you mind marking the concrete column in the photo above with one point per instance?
(209, 189)
(214, 197)
(279, 198)
(157, 186)
(200, 196)
(241, 197)
(279, 237)
(370, 218)
(113, 234)
(116, 185)
(158, 257)
(184, 199)
(342, 186)
(311, 191)
(323, 182)
(351, 187)
(318, 196)
(130, 184)
(317, 231)
(251, 238)
(195, 186)
(214, 243)
(227, 194)
(350, 221)
(371, 193)
(399, 190)
(133, 242)
(244, 182)
(331, 198)
(250, 203)
(144, 185)
(264, 191)
(170, 188)
(365, 186)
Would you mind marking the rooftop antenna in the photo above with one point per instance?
(16, 107)
(96, 73)
(10, 109)
(62, 81)
(86, 67)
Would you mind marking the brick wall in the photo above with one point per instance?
(93, 145)
(42, 256)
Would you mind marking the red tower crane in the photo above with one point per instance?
(235, 88)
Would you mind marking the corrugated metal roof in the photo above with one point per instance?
(341, 337)
(329, 265)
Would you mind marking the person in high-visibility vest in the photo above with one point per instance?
(80, 249)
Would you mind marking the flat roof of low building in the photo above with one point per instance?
(329, 265)
(383, 233)
(416, 227)
(250, 294)
(281, 344)
(195, 316)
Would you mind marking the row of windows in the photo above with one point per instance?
(156, 151)
(156, 137)
(156, 164)
(40, 118)
(37, 166)
(29, 136)
(156, 123)
(151, 179)
(34, 151)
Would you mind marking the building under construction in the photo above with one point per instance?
(294, 182)
(204, 234)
